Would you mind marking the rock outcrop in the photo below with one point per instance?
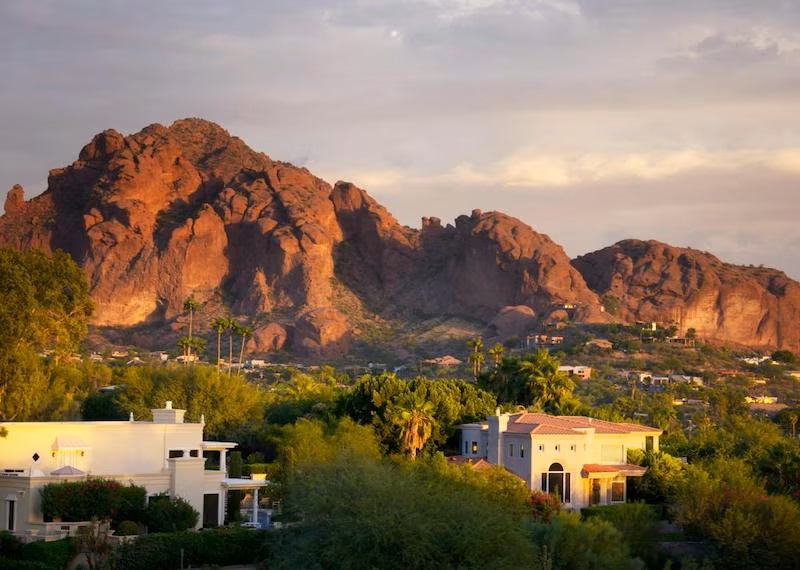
(653, 281)
(169, 212)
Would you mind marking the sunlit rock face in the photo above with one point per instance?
(189, 210)
(657, 282)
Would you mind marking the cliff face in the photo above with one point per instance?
(653, 281)
(170, 212)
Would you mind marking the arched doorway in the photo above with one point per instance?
(557, 482)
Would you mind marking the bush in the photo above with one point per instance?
(93, 498)
(567, 542)
(218, 546)
(543, 505)
(636, 522)
(165, 514)
(127, 528)
(46, 555)
(10, 545)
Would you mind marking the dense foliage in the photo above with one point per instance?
(94, 498)
(219, 546)
(170, 514)
(230, 405)
(44, 306)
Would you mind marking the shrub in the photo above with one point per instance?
(636, 522)
(127, 528)
(46, 555)
(93, 498)
(218, 546)
(10, 545)
(543, 505)
(165, 514)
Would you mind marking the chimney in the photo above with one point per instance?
(168, 415)
(498, 424)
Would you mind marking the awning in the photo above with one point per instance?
(70, 443)
(598, 471)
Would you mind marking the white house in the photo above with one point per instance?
(165, 455)
(581, 460)
(582, 372)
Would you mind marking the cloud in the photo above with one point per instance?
(529, 169)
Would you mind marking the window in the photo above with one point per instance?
(558, 447)
(11, 507)
(572, 447)
(511, 450)
(475, 447)
(466, 447)
(648, 443)
(556, 482)
(175, 453)
(194, 453)
(212, 457)
(541, 448)
(618, 491)
(612, 454)
(522, 450)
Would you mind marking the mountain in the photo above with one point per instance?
(653, 281)
(189, 210)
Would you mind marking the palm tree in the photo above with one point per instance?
(245, 332)
(219, 325)
(191, 305)
(231, 325)
(415, 420)
(496, 352)
(476, 357)
(547, 387)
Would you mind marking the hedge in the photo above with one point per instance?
(221, 546)
(38, 555)
(100, 498)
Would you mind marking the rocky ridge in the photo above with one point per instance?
(169, 212)
(655, 282)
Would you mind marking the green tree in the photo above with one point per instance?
(381, 513)
(476, 356)
(784, 356)
(245, 332)
(44, 306)
(546, 387)
(496, 352)
(190, 305)
(415, 419)
(218, 326)
(170, 514)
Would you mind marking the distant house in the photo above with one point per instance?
(761, 399)
(166, 455)
(601, 343)
(583, 461)
(582, 372)
(445, 360)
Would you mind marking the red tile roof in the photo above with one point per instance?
(545, 424)
(477, 463)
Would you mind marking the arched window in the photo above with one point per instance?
(556, 482)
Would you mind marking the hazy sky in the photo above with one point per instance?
(592, 121)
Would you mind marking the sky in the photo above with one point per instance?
(592, 121)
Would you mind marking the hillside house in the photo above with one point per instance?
(582, 372)
(165, 455)
(581, 460)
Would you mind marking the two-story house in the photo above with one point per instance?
(165, 455)
(581, 460)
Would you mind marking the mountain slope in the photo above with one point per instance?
(653, 281)
(169, 212)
